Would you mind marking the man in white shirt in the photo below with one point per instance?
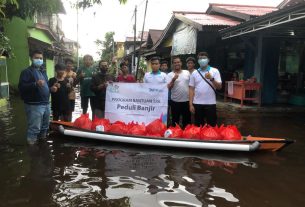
(202, 96)
(155, 76)
(178, 83)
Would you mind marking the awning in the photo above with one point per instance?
(287, 21)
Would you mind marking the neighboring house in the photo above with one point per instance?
(274, 52)
(70, 45)
(43, 32)
(187, 33)
(130, 45)
(120, 50)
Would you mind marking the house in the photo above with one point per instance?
(70, 45)
(274, 51)
(187, 33)
(41, 32)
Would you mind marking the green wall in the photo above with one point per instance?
(16, 31)
(50, 68)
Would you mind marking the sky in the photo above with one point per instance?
(94, 22)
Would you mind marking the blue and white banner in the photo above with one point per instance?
(138, 102)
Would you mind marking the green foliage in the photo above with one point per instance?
(4, 3)
(28, 8)
(106, 47)
(89, 3)
(5, 48)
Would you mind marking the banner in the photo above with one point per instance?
(138, 102)
(184, 40)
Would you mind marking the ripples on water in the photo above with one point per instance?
(101, 177)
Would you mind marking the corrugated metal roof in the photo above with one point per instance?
(155, 34)
(245, 9)
(208, 19)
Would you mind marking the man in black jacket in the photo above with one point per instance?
(34, 90)
(99, 84)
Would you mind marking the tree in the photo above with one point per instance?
(28, 8)
(107, 48)
(89, 3)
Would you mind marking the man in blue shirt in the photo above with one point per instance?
(155, 76)
(34, 90)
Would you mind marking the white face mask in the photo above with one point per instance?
(203, 62)
(37, 62)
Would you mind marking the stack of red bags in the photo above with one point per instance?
(158, 129)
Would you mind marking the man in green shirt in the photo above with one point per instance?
(84, 75)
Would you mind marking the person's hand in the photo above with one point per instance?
(208, 75)
(101, 86)
(82, 75)
(176, 76)
(57, 85)
(74, 75)
(54, 89)
(192, 109)
(40, 83)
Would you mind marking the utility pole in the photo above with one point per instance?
(134, 38)
(112, 47)
(139, 56)
(77, 53)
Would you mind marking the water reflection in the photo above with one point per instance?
(98, 175)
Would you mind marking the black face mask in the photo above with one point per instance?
(103, 70)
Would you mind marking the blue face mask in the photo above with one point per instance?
(203, 62)
(37, 62)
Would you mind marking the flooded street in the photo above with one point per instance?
(68, 172)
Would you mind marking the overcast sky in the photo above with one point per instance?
(111, 16)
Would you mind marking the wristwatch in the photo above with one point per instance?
(212, 79)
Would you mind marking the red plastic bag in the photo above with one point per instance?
(210, 133)
(154, 135)
(83, 122)
(118, 127)
(136, 129)
(156, 128)
(191, 132)
(105, 123)
(173, 132)
(230, 132)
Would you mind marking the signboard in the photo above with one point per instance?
(138, 102)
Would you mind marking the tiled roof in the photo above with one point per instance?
(245, 9)
(208, 19)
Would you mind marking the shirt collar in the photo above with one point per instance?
(157, 73)
(206, 70)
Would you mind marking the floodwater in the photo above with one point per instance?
(70, 172)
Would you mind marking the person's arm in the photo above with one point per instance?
(191, 98)
(79, 76)
(52, 87)
(216, 81)
(217, 85)
(26, 81)
(93, 85)
(172, 81)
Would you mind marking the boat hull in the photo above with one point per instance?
(248, 144)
